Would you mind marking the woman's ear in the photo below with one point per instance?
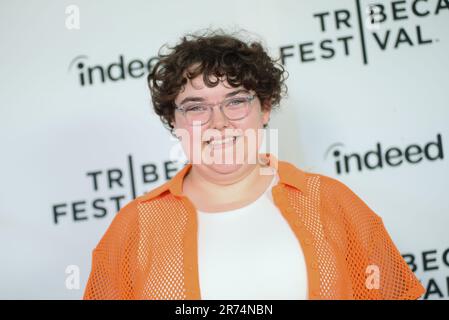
(266, 113)
(174, 130)
(173, 122)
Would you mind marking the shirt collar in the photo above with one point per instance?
(288, 174)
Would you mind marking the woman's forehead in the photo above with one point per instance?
(197, 87)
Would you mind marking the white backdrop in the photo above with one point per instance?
(72, 154)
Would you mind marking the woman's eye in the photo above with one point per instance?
(195, 108)
(236, 101)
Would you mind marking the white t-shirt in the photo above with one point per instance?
(250, 253)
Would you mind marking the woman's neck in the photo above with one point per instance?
(208, 195)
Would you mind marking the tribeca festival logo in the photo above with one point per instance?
(381, 156)
(112, 188)
(370, 22)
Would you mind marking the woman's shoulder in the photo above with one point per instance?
(338, 200)
(310, 181)
(344, 207)
(126, 220)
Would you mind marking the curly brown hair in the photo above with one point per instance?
(217, 55)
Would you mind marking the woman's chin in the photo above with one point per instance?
(224, 168)
(222, 160)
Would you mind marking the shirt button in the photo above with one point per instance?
(290, 210)
(314, 265)
(308, 241)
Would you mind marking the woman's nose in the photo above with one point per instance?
(218, 119)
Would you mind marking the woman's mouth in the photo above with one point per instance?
(221, 142)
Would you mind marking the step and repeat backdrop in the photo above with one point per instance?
(368, 104)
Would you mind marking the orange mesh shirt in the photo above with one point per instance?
(150, 249)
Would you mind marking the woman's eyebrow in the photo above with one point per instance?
(233, 93)
(196, 99)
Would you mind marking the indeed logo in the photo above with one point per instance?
(114, 71)
(380, 157)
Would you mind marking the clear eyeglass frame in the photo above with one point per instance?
(249, 99)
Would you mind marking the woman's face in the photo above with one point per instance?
(223, 150)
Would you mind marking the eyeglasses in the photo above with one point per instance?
(200, 113)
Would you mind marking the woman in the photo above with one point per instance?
(233, 223)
